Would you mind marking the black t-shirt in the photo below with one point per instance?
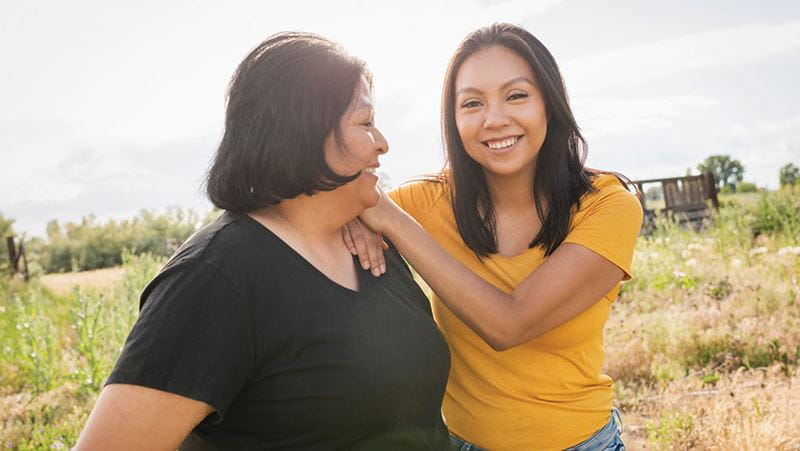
(288, 358)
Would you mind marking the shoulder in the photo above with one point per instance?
(228, 233)
(610, 194)
(418, 197)
(222, 254)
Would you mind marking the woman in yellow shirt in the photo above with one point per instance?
(523, 247)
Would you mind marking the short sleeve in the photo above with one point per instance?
(419, 197)
(608, 223)
(193, 338)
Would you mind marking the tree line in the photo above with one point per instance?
(90, 244)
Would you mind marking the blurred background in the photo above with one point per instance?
(110, 113)
(107, 107)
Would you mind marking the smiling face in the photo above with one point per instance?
(499, 112)
(363, 144)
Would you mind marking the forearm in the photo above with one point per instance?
(484, 308)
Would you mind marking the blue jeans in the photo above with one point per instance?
(607, 438)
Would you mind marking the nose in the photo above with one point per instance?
(381, 145)
(496, 116)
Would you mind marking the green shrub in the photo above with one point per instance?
(778, 213)
(90, 244)
(746, 187)
(671, 430)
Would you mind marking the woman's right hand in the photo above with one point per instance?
(367, 244)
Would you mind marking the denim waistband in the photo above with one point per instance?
(602, 439)
(608, 437)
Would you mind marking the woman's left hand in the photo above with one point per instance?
(367, 244)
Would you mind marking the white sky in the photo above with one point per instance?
(110, 107)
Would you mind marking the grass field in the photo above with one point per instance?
(703, 343)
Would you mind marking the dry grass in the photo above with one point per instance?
(703, 344)
(747, 410)
(98, 279)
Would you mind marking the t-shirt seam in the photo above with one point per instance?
(434, 204)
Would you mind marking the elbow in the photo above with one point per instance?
(511, 336)
(499, 346)
(504, 340)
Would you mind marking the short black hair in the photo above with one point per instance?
(284, 99)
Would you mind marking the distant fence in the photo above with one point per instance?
(686, 199)
(17, 259)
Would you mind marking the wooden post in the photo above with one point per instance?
(640, 195)
(711, 189)
(16, 254)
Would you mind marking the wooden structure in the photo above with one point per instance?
(686, 199)
(17, 259)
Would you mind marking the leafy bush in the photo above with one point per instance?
(778, 213)
(90, 244)
(746, 187)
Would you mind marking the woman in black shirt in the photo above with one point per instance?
(261, 332)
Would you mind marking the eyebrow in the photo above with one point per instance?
(503, 86)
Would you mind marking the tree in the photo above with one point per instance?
(653, 193)
(6, 230)
(790, 174)
(727, 171)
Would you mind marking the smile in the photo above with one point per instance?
(502, 144)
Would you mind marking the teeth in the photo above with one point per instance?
(502, 144)
(369, 170)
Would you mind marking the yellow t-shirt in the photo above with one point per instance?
(548, 393)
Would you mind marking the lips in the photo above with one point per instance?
(502, 144)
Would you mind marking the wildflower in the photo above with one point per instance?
(789, 250)
(691, 262)
(685, 253)
(758, 250)
(57, 445)
(678, 274)
(2, 309)
(736, 263)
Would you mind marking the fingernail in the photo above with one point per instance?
(383, 268)
(365, 265)
(376, 272)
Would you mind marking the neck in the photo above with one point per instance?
(511, 192)
(317, 218)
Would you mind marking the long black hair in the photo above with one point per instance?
(284, 99)
(560, 178)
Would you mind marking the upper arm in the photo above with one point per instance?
(570, 281)
(194, 337)
(131, 417)
(595, 256)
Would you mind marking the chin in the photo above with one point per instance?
(371, 199)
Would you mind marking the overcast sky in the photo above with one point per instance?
(110, 107)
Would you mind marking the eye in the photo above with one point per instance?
(517, 95)
(368, 124)
(470, 104)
